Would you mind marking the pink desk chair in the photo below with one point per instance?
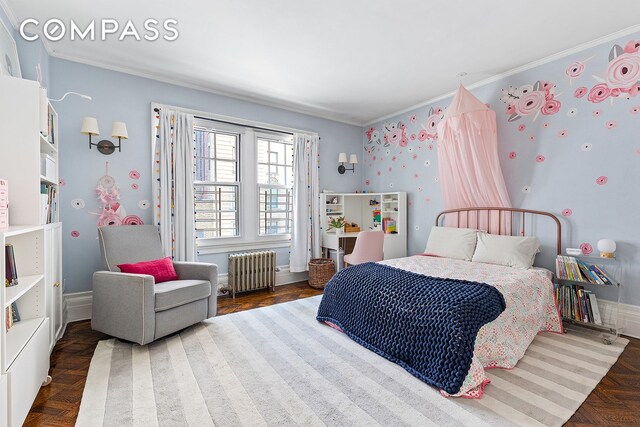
(368, 248)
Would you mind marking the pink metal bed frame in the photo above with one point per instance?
(503, 213)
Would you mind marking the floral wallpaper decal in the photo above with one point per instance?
(567, 212)
(602, 180)
(531, 100)
(134, 174)
(373, 136)
(430, 129)
(143, 204)
(622, 76)
(395, 134)
(77, 204)
(75, 233)
(576, 69)
(580, 92)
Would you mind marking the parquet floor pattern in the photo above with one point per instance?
(614, 402)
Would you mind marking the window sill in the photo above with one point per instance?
(242, 246)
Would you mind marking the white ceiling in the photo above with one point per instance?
(350, 60)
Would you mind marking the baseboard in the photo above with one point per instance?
(78, 304)
(283, 277)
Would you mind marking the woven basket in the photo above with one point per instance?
(320, 271)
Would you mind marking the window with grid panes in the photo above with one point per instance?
(275, 184)
(217, 183)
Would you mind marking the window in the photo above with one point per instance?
(243, 187)
(275, 184)
(217, 183)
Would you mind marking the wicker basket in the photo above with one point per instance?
(320, 271)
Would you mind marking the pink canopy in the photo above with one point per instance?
(470, 173)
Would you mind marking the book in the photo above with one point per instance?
(11, 273)
(594, 306)
(15, 314)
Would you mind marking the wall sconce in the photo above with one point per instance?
(118, 130)
(342, 159)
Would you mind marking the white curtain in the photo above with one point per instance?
(305, 238)
(174, 171)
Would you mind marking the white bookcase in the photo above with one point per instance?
(359, 208)
(30, 129)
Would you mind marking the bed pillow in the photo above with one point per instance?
(450, 242)
(161, 269)
(512, 251)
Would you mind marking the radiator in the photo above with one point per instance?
(250, 271)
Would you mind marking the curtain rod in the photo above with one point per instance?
(157, 110)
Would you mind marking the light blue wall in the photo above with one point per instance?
(123, 97)
(565, 180)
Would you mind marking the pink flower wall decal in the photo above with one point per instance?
(635, 110)
(599, 93)
(580, 92)
(134, 174)
(512, 155)
(567, 212)
(75, 233)
(602, 180)
(563, 133)
(611, 124)
(575, 69)
(596, 113)
(540, 159)
(521, 128)
(134, 186)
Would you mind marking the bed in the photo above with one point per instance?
(509, 307)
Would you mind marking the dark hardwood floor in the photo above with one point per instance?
(614, 402)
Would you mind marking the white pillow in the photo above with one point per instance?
(512, 251)
(450, 242)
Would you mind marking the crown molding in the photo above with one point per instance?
(528, 66)
(300, 108)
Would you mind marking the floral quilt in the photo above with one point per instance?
(531, 308)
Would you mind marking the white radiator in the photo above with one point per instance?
(250, 271)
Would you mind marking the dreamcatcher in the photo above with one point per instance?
(112, 212)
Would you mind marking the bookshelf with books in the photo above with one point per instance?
(31, 306)
(579, 281)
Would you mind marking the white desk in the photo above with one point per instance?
(335, 241)
(359, 208)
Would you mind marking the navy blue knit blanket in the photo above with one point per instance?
(427, 325)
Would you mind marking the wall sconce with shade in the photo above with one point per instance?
(118, 130)
(342, 159)
(607, 248)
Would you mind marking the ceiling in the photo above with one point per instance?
(350, 60)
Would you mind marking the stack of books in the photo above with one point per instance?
(11, 274)
(577, 303)
(577, 270)
(48, 203)
(389, 225)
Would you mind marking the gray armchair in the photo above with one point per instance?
(131, 306)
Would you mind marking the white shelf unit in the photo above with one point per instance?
(358, 208)
(24, 358)
(30, 129)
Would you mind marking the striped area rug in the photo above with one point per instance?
(278, 366)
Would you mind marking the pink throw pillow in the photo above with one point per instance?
(161, 269)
